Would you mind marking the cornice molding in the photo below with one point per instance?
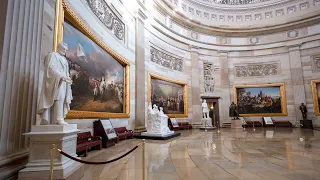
(192, 25)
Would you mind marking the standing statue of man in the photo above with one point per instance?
(56, 94)
(303, 109)
(233, 111)
(205, 109)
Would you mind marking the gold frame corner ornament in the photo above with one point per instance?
(282, 96)
(185, 93)
(63, 11)
(315, 96)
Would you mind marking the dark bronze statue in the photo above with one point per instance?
(233, 111)
(303, 109)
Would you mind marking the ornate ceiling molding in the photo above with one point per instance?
(196, 26)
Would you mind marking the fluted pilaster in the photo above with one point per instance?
(19, 77)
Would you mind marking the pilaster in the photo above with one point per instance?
(195, 86)
(140, 72)
(299, 95)
(20, 59)
(225, 99)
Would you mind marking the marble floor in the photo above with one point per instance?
(275, 154)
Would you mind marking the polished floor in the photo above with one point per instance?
(275, 154)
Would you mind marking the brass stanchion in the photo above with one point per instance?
(218, 126)
(143, 158)
(51, 161)
(254, 129)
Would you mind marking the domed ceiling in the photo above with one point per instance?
(242, 16)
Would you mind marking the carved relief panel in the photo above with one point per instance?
(208, 77)
(165, 59)
(316, 63)
(106, 15)
(254, 69)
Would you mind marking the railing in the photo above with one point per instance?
(54, 149)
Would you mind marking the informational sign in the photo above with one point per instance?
(174, 122)
(107, 126)
(268, 120)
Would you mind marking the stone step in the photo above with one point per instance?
(226, 125)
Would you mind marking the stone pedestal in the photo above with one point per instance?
(206, 124)
(236, 123)
(41, 140)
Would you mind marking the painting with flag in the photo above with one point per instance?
(98, 78)
(169, 94)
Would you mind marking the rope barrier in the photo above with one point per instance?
(97, 163)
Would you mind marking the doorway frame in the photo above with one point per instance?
(214, 99)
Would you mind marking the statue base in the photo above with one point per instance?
(156, 136)
(306, 124)
(41, 139)
(206, 124)
(236, 123)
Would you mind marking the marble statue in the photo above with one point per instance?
(56, 94)
(205, 109)
(157, 123)
(233, 111)
(303, 109)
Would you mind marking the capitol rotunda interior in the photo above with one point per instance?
(160, 89)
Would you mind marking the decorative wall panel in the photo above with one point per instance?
(165, 59)
(208, 77)
(256, 69)
(316, 63)
(106, 15)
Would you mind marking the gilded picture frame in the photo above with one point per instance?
(263, 89)
(183, 85)
(315, 96)
(64, 12)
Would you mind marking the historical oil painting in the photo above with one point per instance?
(98, 78)
(169, 95)
(316, 95)
(261, 100)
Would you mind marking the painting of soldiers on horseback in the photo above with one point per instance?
(263, 100)
(98, 79)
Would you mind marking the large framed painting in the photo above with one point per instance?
(315, 85)
(100, 77)
(169, 94)
(261, 100)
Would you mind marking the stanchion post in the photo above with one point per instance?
(143, 158)
(51, 161)
(218, 125)
(254, 129)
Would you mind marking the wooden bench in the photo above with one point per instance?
(85, 141)
(123, 133)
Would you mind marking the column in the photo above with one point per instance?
(195, 86)
(19, 74)
(299, 95)
(140, 74)
(225, 99)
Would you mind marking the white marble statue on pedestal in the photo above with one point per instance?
(56, 94)
(206, 120)
(205, 109)
(157, 123)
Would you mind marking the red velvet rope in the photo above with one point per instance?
(97, 163)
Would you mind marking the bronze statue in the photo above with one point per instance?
(233, 111)
(303, 109)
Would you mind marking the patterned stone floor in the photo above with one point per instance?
(275, 154)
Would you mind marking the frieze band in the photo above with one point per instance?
(256, 70)
(105, 14)
(166, 60)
